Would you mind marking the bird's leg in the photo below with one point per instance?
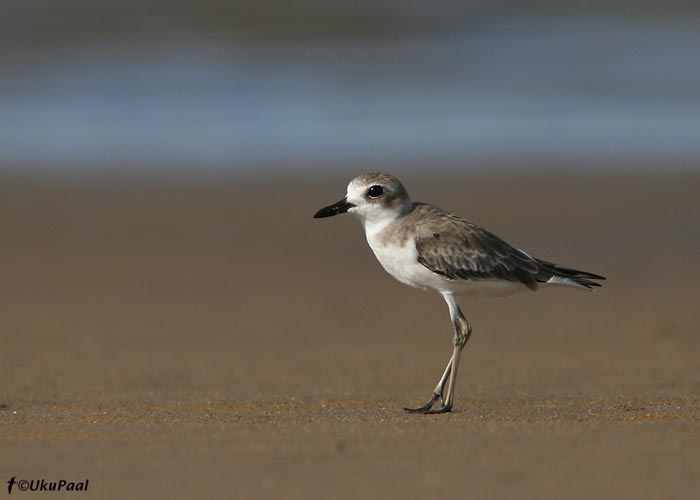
(437, 393)
(462, 333)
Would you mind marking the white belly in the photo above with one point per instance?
(402, 263)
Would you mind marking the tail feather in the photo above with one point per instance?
(554, 273)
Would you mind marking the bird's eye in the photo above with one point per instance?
(375, 191)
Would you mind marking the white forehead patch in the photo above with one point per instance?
(356, 188)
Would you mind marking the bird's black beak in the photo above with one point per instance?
(339, 207)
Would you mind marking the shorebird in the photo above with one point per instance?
(426, 247)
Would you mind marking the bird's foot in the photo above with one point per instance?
(427, 407)
(443, 409)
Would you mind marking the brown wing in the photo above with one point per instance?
(460, 250)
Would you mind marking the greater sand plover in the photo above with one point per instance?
(425, 247)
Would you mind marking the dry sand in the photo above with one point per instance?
(217, 342)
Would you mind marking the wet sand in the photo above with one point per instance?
(216, 341)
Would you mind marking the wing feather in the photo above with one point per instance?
(459, 249)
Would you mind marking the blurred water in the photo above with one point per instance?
(585, 89)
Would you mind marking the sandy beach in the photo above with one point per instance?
(215, 341)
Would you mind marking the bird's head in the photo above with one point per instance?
(372, 197)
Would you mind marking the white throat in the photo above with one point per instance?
(376, 221)
(375, 225)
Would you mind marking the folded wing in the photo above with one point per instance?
(460, 250)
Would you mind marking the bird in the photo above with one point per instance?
(426, 247)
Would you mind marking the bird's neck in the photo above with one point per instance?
(378, 222)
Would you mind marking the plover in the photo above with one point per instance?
(426, 247)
